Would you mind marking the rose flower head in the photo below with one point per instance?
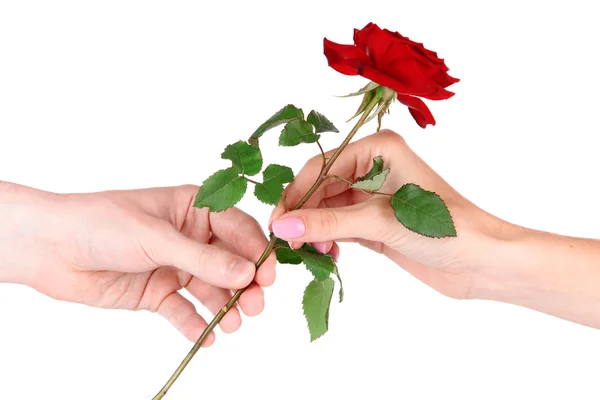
(394, 62)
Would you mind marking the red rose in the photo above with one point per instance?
(394, 61)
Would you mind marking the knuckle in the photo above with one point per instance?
(390, 135)
(329, 222)
(205, 256)
(314, 161)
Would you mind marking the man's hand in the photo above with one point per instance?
(134, 250)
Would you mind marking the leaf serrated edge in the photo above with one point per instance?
(206, 180)
(423, 234)
(253, 140)
(312, 339)
(319, 116)
(261, 200)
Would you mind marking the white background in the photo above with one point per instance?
(130, 94)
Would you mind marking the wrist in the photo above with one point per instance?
(504, 272)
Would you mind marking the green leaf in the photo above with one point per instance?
(279, 173)
(374, 179)
(422, 212)
(269, 192)
(372, 184)
(285, 115)
(320, 122)
(221, 190)
(315, 303)
(287, 256)
(245, 158)
(376, 168)
(274, 176)
(319, 264)
(296, 132)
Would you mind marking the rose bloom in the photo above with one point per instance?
(396, 62)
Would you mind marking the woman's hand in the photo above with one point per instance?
(337, 212)
(489, 259)
(134, 250)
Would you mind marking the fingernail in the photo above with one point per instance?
(323, 247)
(239, 270)
(335, 253)
(289, 227)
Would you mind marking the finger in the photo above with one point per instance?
(215, 299)
(368, 220)
(305, 179)
(182, 314)
(344, 199)
(354, 161)
(323, 247)
(245, 237)
(335, 252)
(252, 301)
(265, 276)
(211, 264)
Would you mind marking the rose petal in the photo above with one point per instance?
(413, 82)
(377, 45)
(425, 77)
(344, 58)
(418, 110)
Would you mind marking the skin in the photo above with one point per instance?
(134, 250)
(138, 249)
(489, 259)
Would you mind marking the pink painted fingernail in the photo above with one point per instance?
(323, 247)
(289, 228)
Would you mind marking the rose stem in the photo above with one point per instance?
(322, 176)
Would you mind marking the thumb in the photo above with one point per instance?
(211, 264)
(363, 221)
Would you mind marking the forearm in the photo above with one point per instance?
(553, 274)
(21, 210)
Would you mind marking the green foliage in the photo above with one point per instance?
(422, 212)
(315, 303)
(320, 122)
(374, 179)
(296, 132)
(285, 254)
(337, 274)
(271, 189)
(376, 168)
(283, 116)
(269, 192)
(319, 264)
(245, 158)
(279, 173)
(221, 190)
